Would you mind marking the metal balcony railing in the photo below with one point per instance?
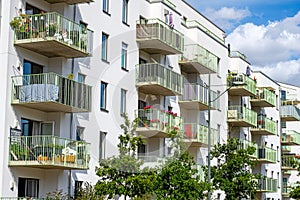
(196, 92)
(68, 95)
(290, 111)
(48, 151)
(53, 26)
(156, 74)
(199, 133)
(198, 54)
(241, 81)
(268, 154)
(159, 120)
(156, 29)
(289, 161)
(241, 113)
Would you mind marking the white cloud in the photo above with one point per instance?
(287, 71)
(227, 17)
(273, 48)
(267, 45)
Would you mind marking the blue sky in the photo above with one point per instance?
(269, 31)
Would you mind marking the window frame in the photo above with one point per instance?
(103, 96)
(125, 11)
(105, 6)
(123, 95)
(102, 145)
(104, 46)
(124, 56)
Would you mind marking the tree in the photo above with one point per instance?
(122, 174)
(178, 178)
(295, 193)
(231, 174)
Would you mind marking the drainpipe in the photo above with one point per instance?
(71, 114)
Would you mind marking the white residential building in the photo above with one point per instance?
(72, 67)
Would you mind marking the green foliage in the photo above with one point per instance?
(88, 193)
(232, 174)
(295, 193)
(178, 178)
(56, 195)
(122, 174)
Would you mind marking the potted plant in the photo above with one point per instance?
(52, 29)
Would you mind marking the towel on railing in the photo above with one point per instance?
(38, 93)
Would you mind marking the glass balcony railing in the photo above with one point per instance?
(53, 35)
(267, 185)
(241, 115)
(241, 85)
(207, 61)
(156, 120)
(265, 124)
(286, 149)
(154, 34)
(237, 54)
(51, 92)
(246, 144)
(196, 133)
(290, 137)
(47, 151)
(267, 154)
(289, 113)
(264, 98)
(193, 92)
(153, 78)
(289, 162)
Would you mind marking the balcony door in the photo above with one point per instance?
(31, 68)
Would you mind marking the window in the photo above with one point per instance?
(102, 144)
(123, 101)
(124, 56)
(81, 78)
(103, 95)
(79, 133)
(105, 6)
(31, 68)
(124, 11)
(104, 46)
(28, 187)
(78, 185)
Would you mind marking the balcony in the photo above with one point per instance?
(266, 155)
(51, 92)
(70, 2)
(264, 126)
(286, 189)
(285, 149)
(267, 185)
(153, 78)
(264, 98)
(156, 37)
(47, 151)
(196, 135)
(237, 54)
(241, 116)
(246, 144)
(195, 97)
(151, 160)
(290, 138)
(240, 85)
(289, 162)
(289, 113)
(53, 35)
(157, 123)
(197, 59)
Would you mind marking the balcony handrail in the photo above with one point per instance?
(199, 133)
(265, 123)
(198, 92)
(290, 136)
(290, 110)
(267, 184)
(246, 144)
(193, 23)
(49, 149)
(55, 26)
(236, 79)
(154, 72)
(197, 53)
(158, 119)
(51, 87)
(267, 153)
(238, 54)
(244, 113)
(148, 157)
